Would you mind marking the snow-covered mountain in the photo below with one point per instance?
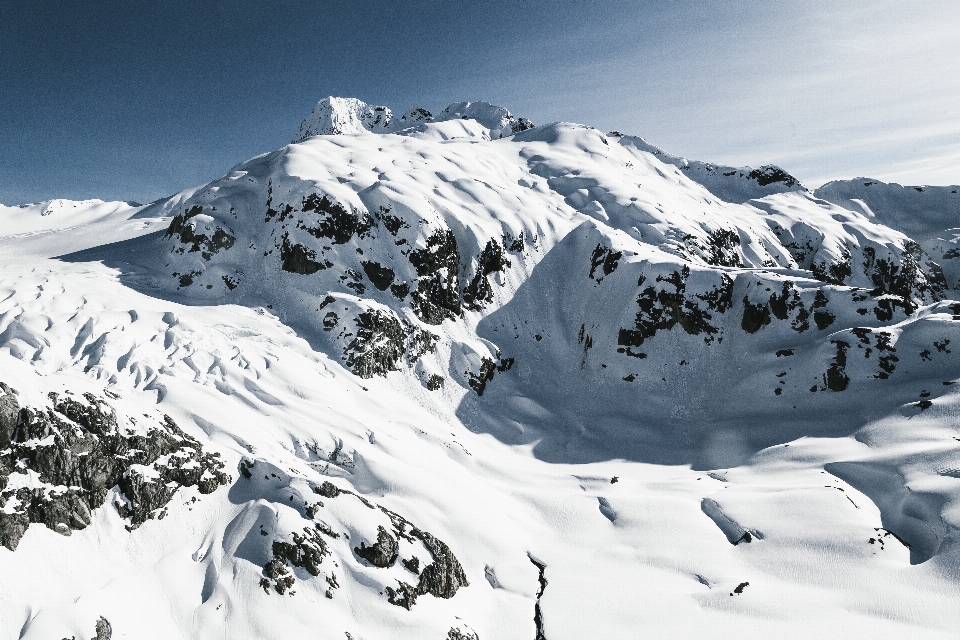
(457, 376)
(334, 116)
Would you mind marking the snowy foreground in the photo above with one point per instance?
(459, 377)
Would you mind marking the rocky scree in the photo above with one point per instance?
(441, 578)
(78, 453)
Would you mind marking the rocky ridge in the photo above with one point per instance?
(60, 463)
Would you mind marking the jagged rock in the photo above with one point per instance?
(307, 550)
(334, 221)
(724, 247)
(296, 258)
(770, 174)
(380, 341)
(437, 296)
(662, 309)
(478, 291)
(441, 578)
(186, 233)
(381, 276)
(378, 345)
(412, 565)
(444, 576)
(605, 258)
(327, 490)
(836, 378)
(9, 410)
(103, 629)
(382, 553)
(80, 454)
(478, 381)
(404, 595)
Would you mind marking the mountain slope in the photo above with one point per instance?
(468, 379)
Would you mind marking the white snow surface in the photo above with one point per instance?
(705, 412)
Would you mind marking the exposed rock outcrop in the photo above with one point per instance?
(61, 462)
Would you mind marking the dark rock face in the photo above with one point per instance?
(724, 248)
(444, 575)
(437, 296)
(786, 305)
(296, 258)
(836, 378)
(185, 232)
(478, 381)
(390, 222)
(537, 613)
(380, 341)
(904, 277)
(884, 349)
(515, 244)
(103, 629)
(441, 578)
(327, 490)
(606, 259)
(755, 316)
(770, 174)
(381, 276)
(80, 454)
(382, 553)
(378, 344)
(334, 221)
(479, 290)
(835, 273)
(307, 550)
(663, 309)
(412, 565)
(488, 368)
(9, 410)
(458, 634)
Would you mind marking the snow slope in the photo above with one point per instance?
(930, 215)
(476, 381)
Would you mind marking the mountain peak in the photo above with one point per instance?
(337, 116)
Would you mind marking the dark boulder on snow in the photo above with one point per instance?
(382, 553)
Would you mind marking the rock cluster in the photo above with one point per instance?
(60, 463)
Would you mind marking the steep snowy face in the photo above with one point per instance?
(920, 212)
(497, 120)
(930, 215)
(731, 184)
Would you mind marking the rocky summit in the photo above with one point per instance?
(459, 376)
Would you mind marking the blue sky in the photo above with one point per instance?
(137, 100)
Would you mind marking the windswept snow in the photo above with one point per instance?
(480, 380)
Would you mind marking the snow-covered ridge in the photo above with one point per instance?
(471, 382)
(336, 116)
(930, 215)
(732, 184)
